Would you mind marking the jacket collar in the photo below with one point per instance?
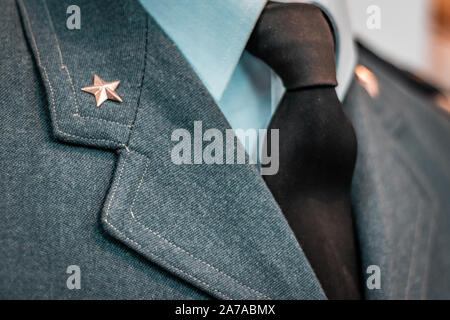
(194, 25)
(215, 226)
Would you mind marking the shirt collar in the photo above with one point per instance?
(213, 37)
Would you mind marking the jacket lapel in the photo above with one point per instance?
(215, 226)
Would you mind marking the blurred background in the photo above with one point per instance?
(413, 34)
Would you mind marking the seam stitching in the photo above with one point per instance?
(137, 192)
(144, 248)
(102, 120)
(165, 261)
(181, 249)
(144, 68)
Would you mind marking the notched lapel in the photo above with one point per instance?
(215, 226)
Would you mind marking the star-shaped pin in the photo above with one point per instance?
(103, 90)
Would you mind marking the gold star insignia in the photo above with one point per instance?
(103, 90)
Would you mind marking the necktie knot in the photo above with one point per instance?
(296, 41)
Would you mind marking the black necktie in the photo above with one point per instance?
(317, 142)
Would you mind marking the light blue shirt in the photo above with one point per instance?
(212, 35)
